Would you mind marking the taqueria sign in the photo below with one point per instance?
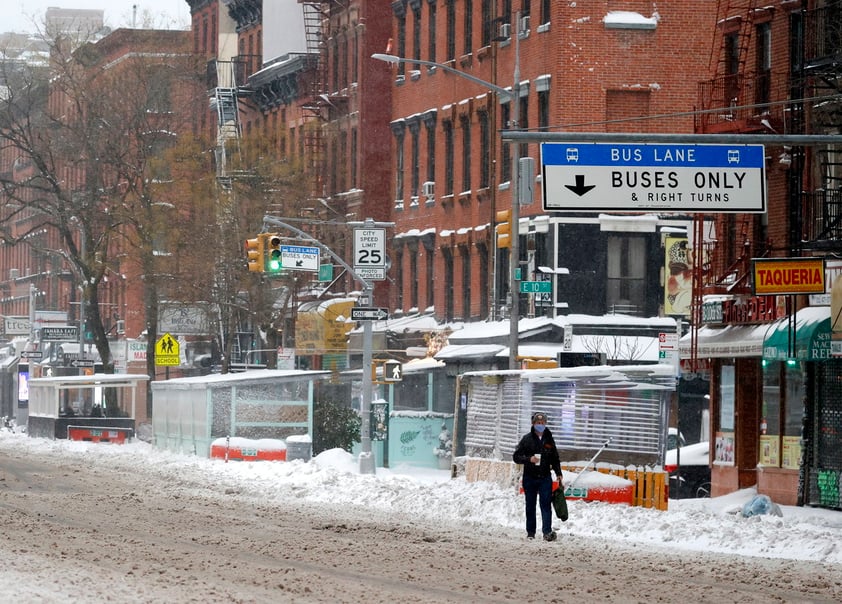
(788, 276)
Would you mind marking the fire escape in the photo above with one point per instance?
(227, 79)
(735, 100)
(818, 75)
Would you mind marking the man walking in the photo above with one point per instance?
(538, 454)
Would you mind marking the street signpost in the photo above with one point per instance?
(370, 253)
(628, 177)
(536, 287)
(300, 258)
(360, 313)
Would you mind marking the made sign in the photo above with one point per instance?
(598, 177)
(299, 257)
(788, 276)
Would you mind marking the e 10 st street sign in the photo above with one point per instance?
(598, 177)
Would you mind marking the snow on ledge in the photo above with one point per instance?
(630, 20)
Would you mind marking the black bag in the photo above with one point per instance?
(560, 503)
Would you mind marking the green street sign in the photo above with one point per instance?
(536, 287)
(325, 272)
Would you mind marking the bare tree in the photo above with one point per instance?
(89, 136)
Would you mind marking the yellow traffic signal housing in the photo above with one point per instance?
(273, 253)
(255, 252)
(504, 229)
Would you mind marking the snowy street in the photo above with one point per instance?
(90, 523)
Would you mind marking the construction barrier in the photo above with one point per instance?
(99, 435)
(649, 487)
(241, 449)
(645, 487)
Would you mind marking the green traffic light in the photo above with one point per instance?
(275, 266)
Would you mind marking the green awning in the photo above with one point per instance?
(812, 337)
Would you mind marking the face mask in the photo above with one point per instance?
(539, 428)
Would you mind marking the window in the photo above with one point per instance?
(523, 118)
(399, 288)
(764, 63)
(431, 30)
(448, 157)
(487, 23)
(465, 256)
(626, 283)
(401, 43)
(482, 251)
(158, 99)
(415, 166)
(781, 415)
(430, 124)
(353, 158)
(469, 26)
(398, 132)
(416, 34)
(465, 123)
(451, 31)
(413, 270)
(430, 265)
(448, 283)
(724, 446)
(542, 87)
(505, 150)
(545, 11)
(484, 150)
(732, 67)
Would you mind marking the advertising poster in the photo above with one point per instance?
(678, 286)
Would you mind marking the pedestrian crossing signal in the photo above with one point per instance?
(392, 371)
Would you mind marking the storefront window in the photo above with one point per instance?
(724, 453)
(770, 414)
(781, 415)
(793, 416)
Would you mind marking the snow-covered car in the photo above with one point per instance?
(689, 470)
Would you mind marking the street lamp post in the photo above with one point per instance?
(514, 247)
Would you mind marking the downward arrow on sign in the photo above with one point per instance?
(580, 188)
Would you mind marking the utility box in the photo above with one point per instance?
(299, 447)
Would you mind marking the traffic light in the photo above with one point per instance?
(273, 253)
(255, 252)
(504, 229)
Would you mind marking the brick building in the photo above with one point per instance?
(591, 67)
(775, 400)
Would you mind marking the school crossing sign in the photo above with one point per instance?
(167, 351)
(599, 177)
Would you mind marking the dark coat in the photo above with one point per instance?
(531, 444)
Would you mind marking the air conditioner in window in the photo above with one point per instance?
(429, 189)
(14, 273)
(121, 327)
(524, 24)
(505, 31)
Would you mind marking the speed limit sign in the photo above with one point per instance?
(369, 248)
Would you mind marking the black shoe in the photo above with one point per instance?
(551, 536)
(530, 536)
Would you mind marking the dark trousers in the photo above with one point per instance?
(538, 490)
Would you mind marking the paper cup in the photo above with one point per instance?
(538, 457)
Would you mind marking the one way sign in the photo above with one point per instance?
(361, 313)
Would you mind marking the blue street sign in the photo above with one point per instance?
(598, 177)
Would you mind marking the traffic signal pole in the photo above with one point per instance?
(367, 464)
